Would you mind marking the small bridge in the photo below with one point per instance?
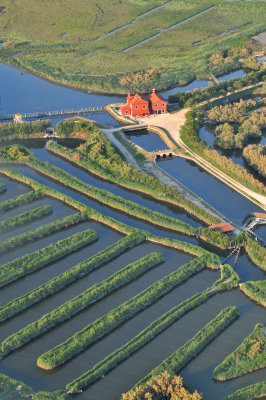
(251, 221)
(133, 128)
(55, 114)
(163, 154)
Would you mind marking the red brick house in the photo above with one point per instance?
(136, 106)
(158, 105)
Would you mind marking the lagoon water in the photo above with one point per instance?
(24, 93)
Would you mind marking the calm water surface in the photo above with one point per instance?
(147, 140)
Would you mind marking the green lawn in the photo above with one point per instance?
(34, 37)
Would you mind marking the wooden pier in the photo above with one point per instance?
(56, 114)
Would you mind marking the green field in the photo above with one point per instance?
(57, 39)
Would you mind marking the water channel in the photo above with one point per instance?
(26, 93)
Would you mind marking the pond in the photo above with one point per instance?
(147, 140)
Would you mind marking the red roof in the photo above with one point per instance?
(137, 99)
(222, 227)
(153, 97)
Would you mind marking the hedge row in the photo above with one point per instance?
(80, 302)
(147, 335)
(248, 357)
(31, 262)
(176, 361)
(61, 281)
(25, 218)
(251, 392)
(229, 278)
(94, 331)
(105, 197)
(256, 290)
(19, 200)
(42, 231)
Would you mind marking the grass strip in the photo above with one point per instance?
(248, 357)
(176, 361)
(105, 197)
(21, 199)
(31, 262)
(9, 385)
(145, 336)
(78, 303)
(2, 187)
(256, 290)
(72, 274)
(256, 253)
(42, 231)
(25, 218)
(94, 331)
(229, 278)
(251, 392)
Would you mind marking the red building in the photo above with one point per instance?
(136, 106)
(158, 104)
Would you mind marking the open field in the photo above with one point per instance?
(85, 38)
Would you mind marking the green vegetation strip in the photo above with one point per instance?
(78, 303)
(256, 253)
(229, 278)
(25, 218)
(61, 281)
(42, 231)
(2, 188)
(9, 385)
(31, 262)
(147, 335)
(175, 362)
(94, 331)
(256, 290)
(111, 222)
(248, 357)
(105, 197)
(20, 200)
(251, 392)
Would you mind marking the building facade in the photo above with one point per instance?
(158, 105)
(136, 106)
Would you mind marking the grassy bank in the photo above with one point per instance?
(72, 274)
(2, 188)
(175, 362)
(8, 388)
(94, 331)
(24, 265)
(79, 303)
(248, 357)
(256, 253)
(229, 279)
(25, 218)
(256, 290)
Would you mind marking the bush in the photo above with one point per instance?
(251, 392)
